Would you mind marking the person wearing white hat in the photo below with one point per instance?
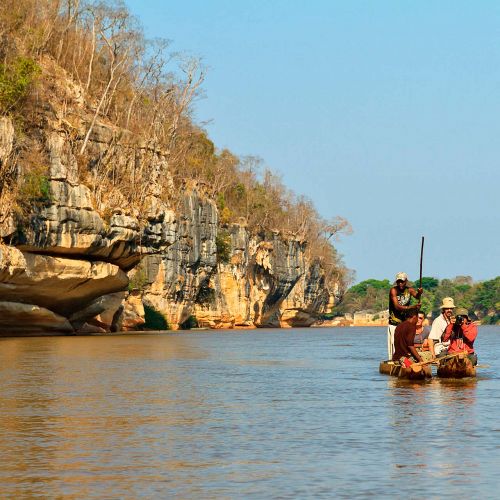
(436, 345)
(399, 305)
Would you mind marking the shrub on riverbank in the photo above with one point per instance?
(154, 320)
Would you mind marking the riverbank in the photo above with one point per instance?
(342, 322)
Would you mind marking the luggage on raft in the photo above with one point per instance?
(420, 372)
(457, 366)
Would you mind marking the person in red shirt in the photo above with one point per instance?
(404, 337)
(461, 333)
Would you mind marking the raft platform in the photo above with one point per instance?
(402, 372)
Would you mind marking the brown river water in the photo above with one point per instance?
(299, 413)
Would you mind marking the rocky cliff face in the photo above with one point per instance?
(266, 283)
(62, 257)
(67, 268)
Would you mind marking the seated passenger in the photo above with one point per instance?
(422, 342)
(404, 337)
(462, 333)
(437, 346)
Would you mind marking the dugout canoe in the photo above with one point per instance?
(459, 366)
(390, 368)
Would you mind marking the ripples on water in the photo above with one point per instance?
(265, 414)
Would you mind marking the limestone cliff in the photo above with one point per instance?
(266, 283)
(73, 262)
(255, 286)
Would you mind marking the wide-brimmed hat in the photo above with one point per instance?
(448, 303)
(461, 311)
(401, 276)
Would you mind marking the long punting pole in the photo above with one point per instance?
(421, 259)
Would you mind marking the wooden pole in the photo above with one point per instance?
(421, 260)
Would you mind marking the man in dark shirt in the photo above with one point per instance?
(399, 305)
(404, 338)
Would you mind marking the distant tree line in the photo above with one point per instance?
(141, 87)
(482, 299)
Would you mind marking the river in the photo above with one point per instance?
(299, 413)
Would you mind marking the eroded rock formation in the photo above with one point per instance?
(65, 267)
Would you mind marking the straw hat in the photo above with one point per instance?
(448, 303)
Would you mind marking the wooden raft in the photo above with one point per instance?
(459, 366)
(389, 368)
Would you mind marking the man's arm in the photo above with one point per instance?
(415, 353)
(431, 349)
(470, 331)
(409, 338)
(435, 335)
(448, 332)
(393, 296)
(416, 294)
(436, 329)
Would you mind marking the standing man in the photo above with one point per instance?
(399, 307)
(436, 344)
(404, 350)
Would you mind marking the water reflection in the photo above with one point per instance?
(84, 410)
(288, 414)
(434, 426)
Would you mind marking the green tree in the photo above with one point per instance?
(428, 283)
(154, 319)
(486, 299)
(223, 245)
(15, 80)
(362, 288)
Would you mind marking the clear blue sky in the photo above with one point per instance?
(384, 112)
